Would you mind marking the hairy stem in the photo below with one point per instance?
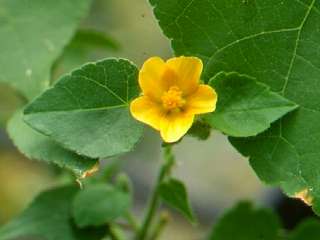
(154, 200)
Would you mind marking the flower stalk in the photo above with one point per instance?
(154, 200)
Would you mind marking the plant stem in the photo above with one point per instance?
(163, 221)
(154, 200)
(132, 221)
(114, 232)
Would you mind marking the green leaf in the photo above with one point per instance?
(277, 43)
(245, 106)
(244, 222)
(309, 230)
(174, 193)
(48, 217)
(99, 204)
(87, 111)
(33, 34)
(89, 38)
(123, 182)
(86, 46)
(200, 130)
(39, 147)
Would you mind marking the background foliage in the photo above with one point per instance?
(262, 57)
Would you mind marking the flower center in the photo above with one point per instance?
(172, 99)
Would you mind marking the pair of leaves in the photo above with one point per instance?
(50, 215)
(275, 42)
(248, 223)
(76, 122)
(92, 113)
(99, 94)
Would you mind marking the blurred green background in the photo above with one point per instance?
(216, 175)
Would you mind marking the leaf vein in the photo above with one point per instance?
(85, 109)
(256, 109)
(252, 37)
(294, 55)
(105, 87)
(308, 62)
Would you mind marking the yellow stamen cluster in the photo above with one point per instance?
(172, 100)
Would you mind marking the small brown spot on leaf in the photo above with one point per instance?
(305, 196)
(90, 172)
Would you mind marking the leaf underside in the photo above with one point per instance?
(39, 147)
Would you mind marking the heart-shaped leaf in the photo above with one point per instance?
(87, 111)
(278, 43)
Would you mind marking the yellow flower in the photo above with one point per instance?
(172, 95)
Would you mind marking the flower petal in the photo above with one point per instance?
(174, 126)
(145, 110)
(188, 71)
(151, 78)
(202, 101)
